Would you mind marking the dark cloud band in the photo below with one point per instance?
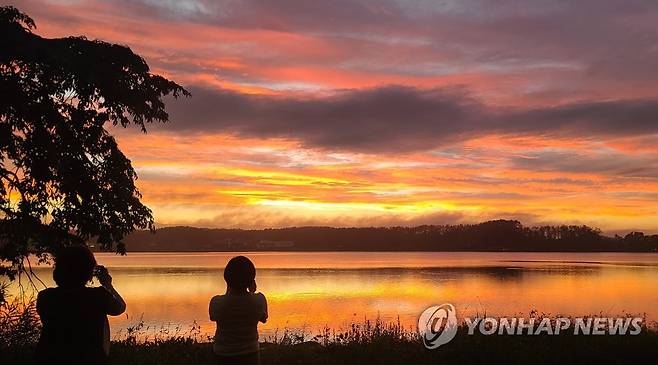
(399, 119)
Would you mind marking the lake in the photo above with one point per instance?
(310, 290)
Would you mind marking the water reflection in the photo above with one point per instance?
(311, 290)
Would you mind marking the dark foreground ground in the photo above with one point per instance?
(387, 348)
(468, 350)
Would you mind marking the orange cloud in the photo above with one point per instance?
(224, 180)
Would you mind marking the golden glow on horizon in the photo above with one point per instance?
(226, 181)
(419, 207)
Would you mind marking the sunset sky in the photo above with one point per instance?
(391, 112)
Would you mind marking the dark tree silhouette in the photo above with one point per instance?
(498, 235)
(64, 179)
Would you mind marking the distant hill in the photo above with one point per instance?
(498, 235)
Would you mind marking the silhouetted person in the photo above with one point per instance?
(74, 316)
(237, 314)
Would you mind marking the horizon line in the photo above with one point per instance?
(602, 231)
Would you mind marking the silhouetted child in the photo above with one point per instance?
(237, 314)
(74, 317)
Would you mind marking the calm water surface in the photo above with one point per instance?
(310, 290)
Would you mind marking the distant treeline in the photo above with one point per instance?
(498, 235)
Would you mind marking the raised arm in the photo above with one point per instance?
(116, 304)
(212, 310)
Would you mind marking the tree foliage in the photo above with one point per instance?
(64, 179)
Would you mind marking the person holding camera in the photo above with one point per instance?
(74, 316)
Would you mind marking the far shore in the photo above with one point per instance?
(376, 251)
(491, 236)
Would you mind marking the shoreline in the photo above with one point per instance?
(128, 251)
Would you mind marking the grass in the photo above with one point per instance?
(381, 343)
(373, 342)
